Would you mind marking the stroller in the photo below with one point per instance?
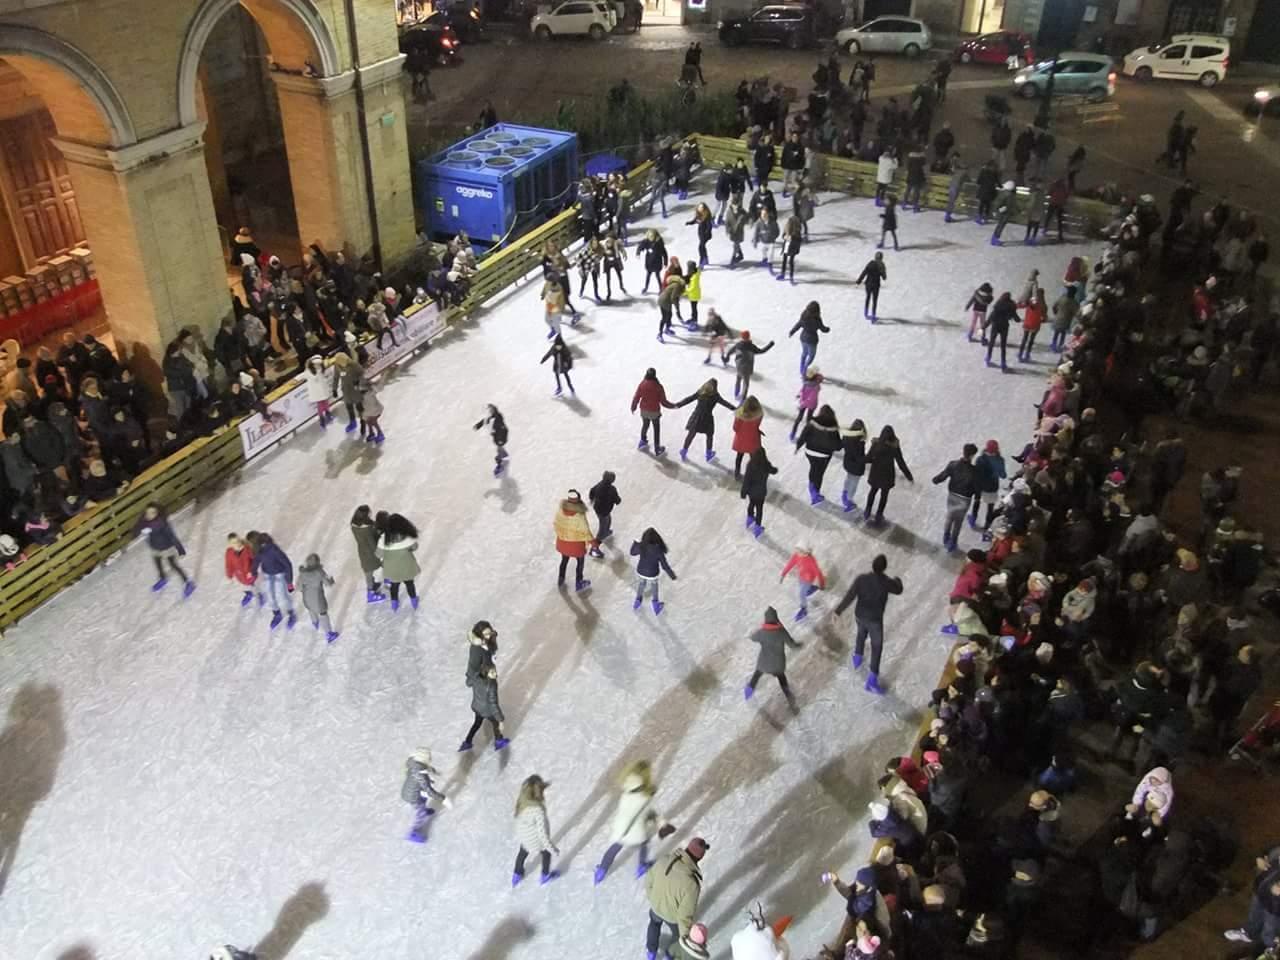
(1259, 742)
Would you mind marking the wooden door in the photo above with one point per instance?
(40, 195)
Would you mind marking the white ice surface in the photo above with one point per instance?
(187, 778)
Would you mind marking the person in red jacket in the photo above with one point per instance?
(810, 575)
(239, 563)
(650, 397)
(746, 432)
(968, 584)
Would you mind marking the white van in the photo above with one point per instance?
(1188, 56)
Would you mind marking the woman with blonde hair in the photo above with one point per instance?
(634, 820)
(533, 829)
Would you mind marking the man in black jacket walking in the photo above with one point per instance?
(869, 593)
(962, 486)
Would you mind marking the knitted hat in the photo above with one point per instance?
(698, 847)
(991, 447)
(879, 809)
(770, 615)
(698, 934)
(868, 944)
(746, 334)
(865, 877)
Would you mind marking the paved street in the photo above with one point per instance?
(1235, 156)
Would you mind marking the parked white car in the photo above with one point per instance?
(592, 18)
(1187, 56)
(886, 35)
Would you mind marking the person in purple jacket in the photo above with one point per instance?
(271, 562)
(165, 545)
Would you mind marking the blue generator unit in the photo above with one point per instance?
(484, 183)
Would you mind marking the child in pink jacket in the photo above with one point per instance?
(811, 577)
(810, 386)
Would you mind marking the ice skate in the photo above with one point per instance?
(596, 553)
(581, 585)
(706, 362)
(973, 522)
(643, 444)
(659, 451)
(548, 877)
(748, 692)
(750, 521)
(413, 602)
(415, 837)
(351, 426)
(292, 621)
(599, 875)
(639, 600)
(643, 867)
(781, 276)
(711, 455)
(465, 746)
(247, 598)
(331, 636)
(188, 589)
(515, 879)
(658, 607)
(277, 618)
(846, 503)
(660, 340)
(558, 392)
(497, 470)
(374, 596)
(501, 743)
(684, 454)
(950, 629)
(815, 497)
(997, 242)
(395, 605)
(857, 661)
(756, 531)
(801, 614)
(873, 685)
(159, 585)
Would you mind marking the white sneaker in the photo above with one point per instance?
(1238, 935)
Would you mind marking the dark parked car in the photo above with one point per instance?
(435, 42)
(791, 24)
(467, 24)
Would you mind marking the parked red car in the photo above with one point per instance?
(995, 48)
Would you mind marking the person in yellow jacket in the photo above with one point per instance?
(692, 290)
(674, 886)
(573, 535)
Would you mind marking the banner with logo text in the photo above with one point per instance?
(294, 409)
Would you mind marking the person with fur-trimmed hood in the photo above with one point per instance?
(635, 821)
(482, 647)
(673, 889)
(396, 548)
(773, 639)
(573, 537)
(419, 789)
(485, 705)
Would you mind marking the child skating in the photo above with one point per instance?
(772, 658)
(652, 553)
(743, 354)
(717, 332)
(419, 790)
(809, 577)
(693, 291)
(498, 431)
(239, 566)
(668, 301)
(312, 579)
(165, 547)
(603, 497)
(370, 413)
(561, 363)
(854, 443)
(322, 388)
(810, 387)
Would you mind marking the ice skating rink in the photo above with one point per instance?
(173, 775)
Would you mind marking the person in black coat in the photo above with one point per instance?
(819, 439)
(763, 159)
(1003, 312)
(854, 441)
(561, 363)
(653, 253)
(987, 186)
(792, 162)
(809, 325)
(881, 476)
(603, 497)
(755, 487)
(164, 544)
(652, 552)
(872, 276)
(869, 593)
(889, 224)
(961, 476)
(702, 420)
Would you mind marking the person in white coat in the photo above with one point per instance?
(322, 387)
(760, 941)
(635, 821)
(905, 802)
(886, 170)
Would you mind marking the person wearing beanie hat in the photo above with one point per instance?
(603, 498)
(418, 790)
(772, 659)
(809, 576)
(693, 945)
(573, 536)
(673, 888)
(866, 912)
(743, 354)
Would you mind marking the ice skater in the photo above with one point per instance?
(792, 236)
(238, 562)
(773, 639)
(653, 254)
(961, 477)
(702, 420)
(991, 470)
(498, 432)
(485, 706)
(312, 579)
(396, 549)
(533, 830)
(419, 790)
(1033, 315)
(1003, 313)
(365, 531)
(635, 821)
(882, 456)
(803, 204)
(809, 326)
(977, 306)
(668, 301)
(482, 647)
(889, 222)
(735, 228)
(651, 550)
(705, 223)
(743, 354)
(873, 275)
(809, 578)
(886, 168)
(717, 331)
(869, 593)
(165, 547)
(561, 358)
(370, 413)
(650, 397)
(322, 388)
(854, 443)
(820, 439)
(764, 235)
(693, 292)
(271, 562)
(747, 420)
(589, 261)
(573, 537)
(810, 387)
(1006, 204)
(603, 497)
(755, 488)
(615, 255)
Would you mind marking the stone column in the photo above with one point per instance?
(327, 166)
(150, 222)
